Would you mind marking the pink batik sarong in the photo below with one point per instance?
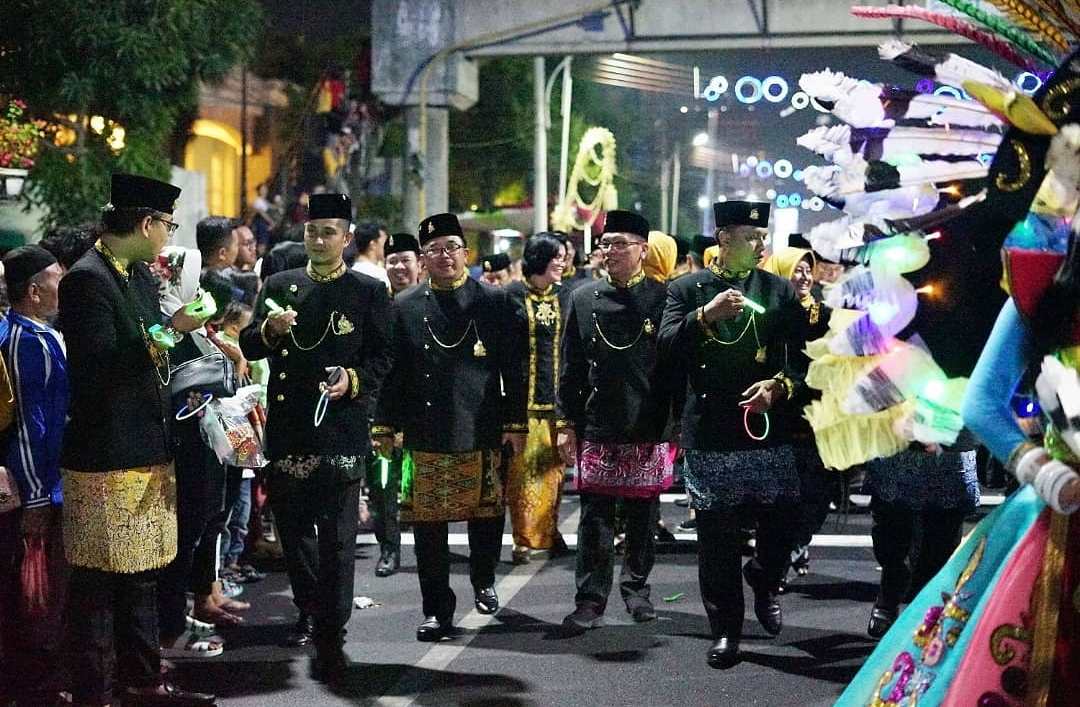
(625, 470)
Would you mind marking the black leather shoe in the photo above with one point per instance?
(641, 610)
(770, 615)
(389, 562)
(303, 632)
(584, 617)
(172, 697)
(766, 607)
(724, 653)
(433, 629)
(881, 620)
(486, 600)
(330, 664)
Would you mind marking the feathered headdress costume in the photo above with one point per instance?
(929, 186)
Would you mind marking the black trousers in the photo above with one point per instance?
(321, 565)
(196, 470)
(112, 628)
(818, 487)
(596, 549)
(911, 547)
(433, 561)
(383, 501)
(223, 492)
(720, 555)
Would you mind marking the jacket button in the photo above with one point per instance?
(427, 375)
(279, 397)
(428, 403)
(284, 352)
(281, 376)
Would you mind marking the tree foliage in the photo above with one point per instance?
(138, 63)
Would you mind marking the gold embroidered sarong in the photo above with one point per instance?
(120, 521)
(444, 486)
(533, 488)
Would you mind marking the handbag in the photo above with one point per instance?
(9, 491)
(213, 373)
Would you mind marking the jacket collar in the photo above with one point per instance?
(28, 323)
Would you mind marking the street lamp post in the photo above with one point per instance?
(712, 135)
(540, 188)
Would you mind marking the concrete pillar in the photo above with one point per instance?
(434, 169)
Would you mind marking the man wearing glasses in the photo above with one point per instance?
(117, 461)
(613, 407)
(457, 394)
(327, 336)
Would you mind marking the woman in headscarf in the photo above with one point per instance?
(660, 259)
(817, 485)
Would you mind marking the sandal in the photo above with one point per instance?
(198, 628)
(196, 647)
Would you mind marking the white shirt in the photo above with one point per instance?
(366, 267)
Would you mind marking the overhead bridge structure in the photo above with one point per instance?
(424, 52)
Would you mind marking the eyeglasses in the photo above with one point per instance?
(617, 246)
(170, 225)
(451, 250)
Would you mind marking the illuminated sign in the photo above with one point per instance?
(749, 90)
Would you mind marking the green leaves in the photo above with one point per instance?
(136, 62)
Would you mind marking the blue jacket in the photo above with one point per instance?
(38, 369)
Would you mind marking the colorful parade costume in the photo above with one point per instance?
(998, 625)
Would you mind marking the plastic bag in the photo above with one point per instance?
(34, 578)
(229, 432)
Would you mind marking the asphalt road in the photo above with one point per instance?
(518, 657)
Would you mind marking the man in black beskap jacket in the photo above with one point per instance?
(613, 405)
(117, 462)
(329, 351)
(734, 332)
(457, 393)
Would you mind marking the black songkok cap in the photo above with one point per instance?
(496, 262)
(24, 262)
(330, 206)
(741, 213)
(619, 221)
(438, 226)
(130, 191)
(401, 242)
(682, 247)
(701, 243)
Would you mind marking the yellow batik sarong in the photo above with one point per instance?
(452, 486)
(120, 521)
(534, 487)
